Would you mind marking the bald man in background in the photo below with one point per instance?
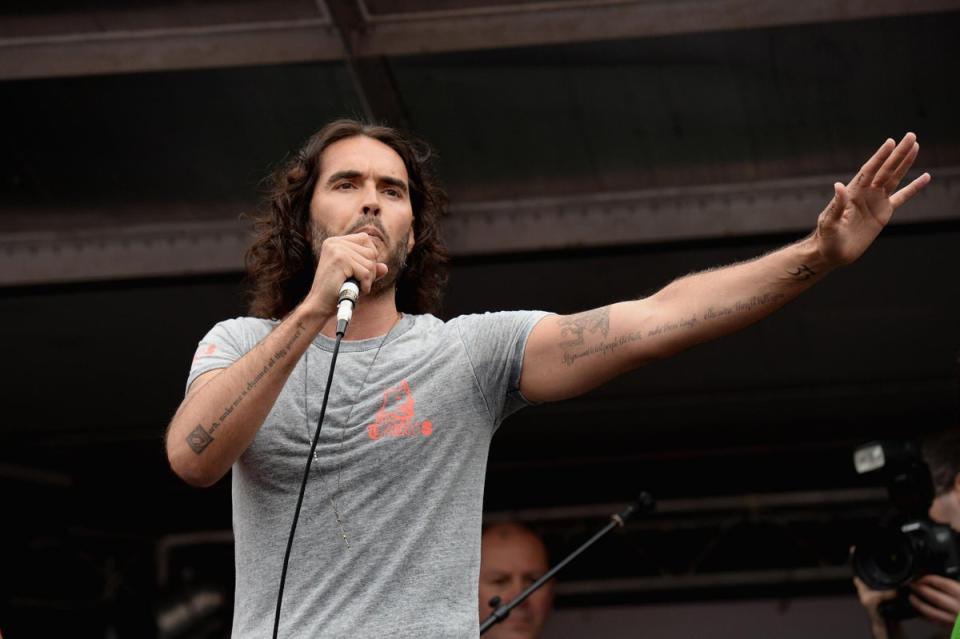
(511, 558)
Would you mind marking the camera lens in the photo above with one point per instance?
(892, 561)
(885, 561)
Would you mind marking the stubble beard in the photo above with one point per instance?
(396, 258)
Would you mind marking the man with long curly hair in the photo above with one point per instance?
(389, 536)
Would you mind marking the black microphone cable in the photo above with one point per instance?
(348, 292)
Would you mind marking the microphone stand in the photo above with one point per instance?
(645, 504)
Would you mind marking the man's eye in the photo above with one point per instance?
(393, 192)
(344, 186)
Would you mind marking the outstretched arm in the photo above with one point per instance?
(568, 355)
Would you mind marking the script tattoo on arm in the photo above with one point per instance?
(802, 273)
(668, 327)
(579, 328)
(570, 357)
(199, 438)
(743, 305)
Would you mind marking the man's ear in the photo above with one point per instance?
(956, 484)
(411, 242)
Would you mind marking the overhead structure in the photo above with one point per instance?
(237, 33)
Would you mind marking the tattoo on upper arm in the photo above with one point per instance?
(200, 438)
(580, 327)
(802, 273)
(577, 328)
(570, 357)
(573, 326)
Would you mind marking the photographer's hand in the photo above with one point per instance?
(936, 598)
(871, 600)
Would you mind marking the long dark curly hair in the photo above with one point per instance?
(281, 263)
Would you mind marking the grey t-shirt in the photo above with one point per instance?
(401, 460)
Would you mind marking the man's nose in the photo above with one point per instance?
(371, 200)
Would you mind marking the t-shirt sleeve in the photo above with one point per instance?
(224, 344)
(494, 343)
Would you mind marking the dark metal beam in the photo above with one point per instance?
(169, 49)
(372, 80)
(59, 48)
(671, 214)
(541, 23)
(477, 228)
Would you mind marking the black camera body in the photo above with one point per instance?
(907, 543)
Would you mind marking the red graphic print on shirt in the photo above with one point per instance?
(205, 351)
(396, 417)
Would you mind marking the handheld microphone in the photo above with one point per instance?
(349, 292)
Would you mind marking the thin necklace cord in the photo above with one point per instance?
(303, 485)
(363, 384)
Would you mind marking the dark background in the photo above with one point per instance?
(747, 442)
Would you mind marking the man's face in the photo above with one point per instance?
(512, 559)
(363, 187)
(945, 508)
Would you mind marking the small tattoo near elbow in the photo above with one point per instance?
(199, 439)
(804, 272)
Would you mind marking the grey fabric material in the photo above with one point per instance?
(403, 453)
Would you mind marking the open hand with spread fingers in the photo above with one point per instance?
(859, 211)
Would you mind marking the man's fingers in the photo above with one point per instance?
(892, 161)
(942, 583)
(931, 612)
(903, 195)
(360, 243)
(937, 597)
(357, 253)
(363, 274)
(367, 273)
(891, 184)
(362, 240)
(869, 170)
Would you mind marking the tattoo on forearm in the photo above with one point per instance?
(200, 438)
(743, 306)
(802, 273)
(603, 348)
(572, 327)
